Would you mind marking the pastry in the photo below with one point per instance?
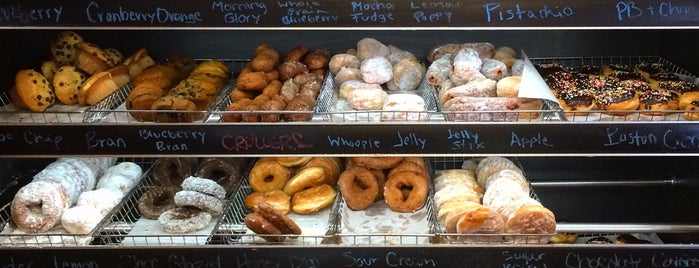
(32, 91)
(67, 83)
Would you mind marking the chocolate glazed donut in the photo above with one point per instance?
(227, 172)
(172, 171)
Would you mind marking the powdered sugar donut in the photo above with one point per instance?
(73, 174)
(407, 75)
(376, 70)
(199, 200)
(80, 219)
(37, 206)
(103, 199)
(396, 106)
(117, 182)
(204, 185)
(367, 98)
(129, 169)
(184, 220)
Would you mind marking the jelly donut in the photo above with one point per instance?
(304, 179)
(268, 174)
(172, 171)
(37, 206)
(359, 187)
(156, 201)
(406, 191)
(199, 200)
(184, 220)
(204, 185)
(313, 199)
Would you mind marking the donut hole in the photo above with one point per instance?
(268, 179)
(405, 191)
(360, 185)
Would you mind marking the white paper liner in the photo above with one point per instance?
(58, 113)
(57, 236)
(147, 232)
(384, 226)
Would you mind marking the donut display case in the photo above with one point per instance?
(605, 188)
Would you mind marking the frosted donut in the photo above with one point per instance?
(117, 182)
(156, 201)
(406, 192)
(268, 174)
(359, 187)
(75, 175)
(37, 206)
(199, 200)
(81, 219)
(204, 185)
(184, 220)
(103, 199)
(304, 179)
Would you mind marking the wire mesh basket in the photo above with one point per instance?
(58, 113)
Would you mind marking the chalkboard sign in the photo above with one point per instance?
(329, 256)
(549, 138)
(356, 13)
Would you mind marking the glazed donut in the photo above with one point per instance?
(359, 187)
(184, 220)
(268, 174)
(292, 161)
(37, 206)
(258, 224)
(80, 219)
(199, 200)
(280, 200)
(171, 171)
(377, 162)
(406, 191)
(103, 199)
(225, 171)
(331, 166)
(204, 185)
(304, 179)
(313, 199)
(281, 221)
(156, 201)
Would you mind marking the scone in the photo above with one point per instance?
(66, 84)
(32, 91)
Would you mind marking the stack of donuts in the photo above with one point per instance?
(270, 83)
(402, 182)
(303, 185)
(94, 205)
(616, 89)
(473, 78)
(38, 206)
(366, 75)
(195, 206)
(169, 174)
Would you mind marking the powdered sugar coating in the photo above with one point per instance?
(129, 169)
(199, 200)
(38, 206)
(204, 185)
(80, 219)
(117, 182)
(103, 199)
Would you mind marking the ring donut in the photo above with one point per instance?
(304, 179)
(279, 199)
(199, 200)
(184, 220)
(331, 165)
(292, 161)
(359, 187)
(313, 199)
(204, 185)
(268, 174)
(225, 171)
(157, 200)
(37, 207)
(377, 162)
(409, 166)
(406, 191)
(171, 171)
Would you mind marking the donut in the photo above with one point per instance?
(377, 162)
(292, 161)
(406, 191)
(276, 217)
(304, 179)
(313, 199)
(225, 171)
(621, 96)
(103, 199)
(204, 185)
(480, 220)
(258, 224)
(129, 169)
(199, 200)
(37, 206)
(531, 219)
(277, 198)
(492, 164)
(330, 165)
(268, 174)
(359, 187)
(184, 220)
(80, 219)
(171, 171)
(157, 200)
(117, 182)
(414, 166)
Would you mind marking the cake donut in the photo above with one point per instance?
(377, 162)
(226, 172)
(359, 187)
(406, 191)
(184, 220)
(38, 206)
(281, 221)
(260, 225)
(172, 171)
(205, 202)
(157, 200)
(203, 185)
